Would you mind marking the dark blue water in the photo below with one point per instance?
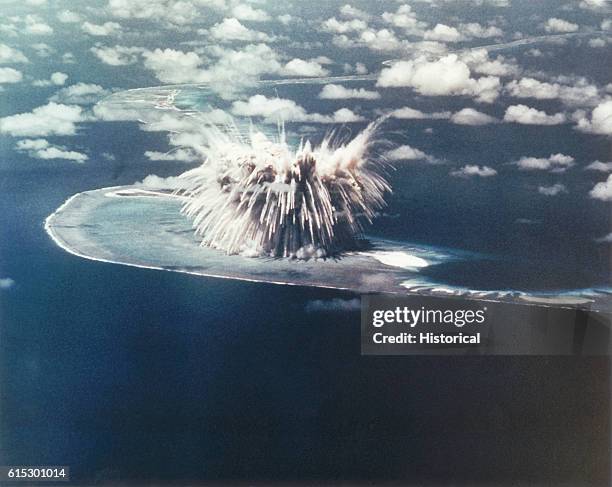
(140, 375)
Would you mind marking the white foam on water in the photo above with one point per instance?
(399, 259)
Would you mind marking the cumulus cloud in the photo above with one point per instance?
(42, 149)
(80, 94)
(6, 283)
(233, 70)
(285, 19)
(10, 75)
(581, 93)
(554, 163)
(553, 190)
(594, 4)
(174, 12)
(36, 26)
(56, 79)
(335, 305)
(49, 119)
(600, 121)
(173, 66)
(180, 154)
(300, 67)
(274, 109)
(409, 113)
(602, 191)
(469, 116)
(232, 30)
(339, 92)
(474, 29)
(445, 76)
(117, 55)
(105, 29)
(444, 33)
(478, 61)
(530, 116)
(68, 17)
(599, 166)
(9, 55)
(470, 170)
(408, 153)
(353, 12)
(405, 18)
(605, 239)
(344, 26)
(555, 25)
(246, 12)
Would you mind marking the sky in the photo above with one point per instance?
(508, 102)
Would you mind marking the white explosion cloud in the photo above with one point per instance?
(257, 196)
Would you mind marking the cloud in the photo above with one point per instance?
(49, 119)
(555, 25)
(343, 115)
(408, 113)
(602, 191)
(600, 121)
(56, 79)
(582, 93)
(353, 12)
(380, 40)
(274, 109)
(554, 163)
(234, 69)
(9, 55)
(156, 182)
(598, 42)
(600, 166)
(182, 155)
(117, 55)
(105, 29)
(478, 61)
(530, 116)
(444, 33)
(405, 18)
(42, 49)
(285, 19)
(6, 283)
(232, 30)
(553, 190)
(594, 4)
(10, 75)
(246, 12)
(605, 239)
(470, 170)
(173, 12)
(469, 116)
(35, 26)
(42, 149)
(172, 66)
(344, 26)
(446, 76)
(299, 67)
(80, 94)
(339, 92)
(408, 153)
(474, 29)
(333, 305)
(68, 17)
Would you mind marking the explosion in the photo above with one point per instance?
(255, 195)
